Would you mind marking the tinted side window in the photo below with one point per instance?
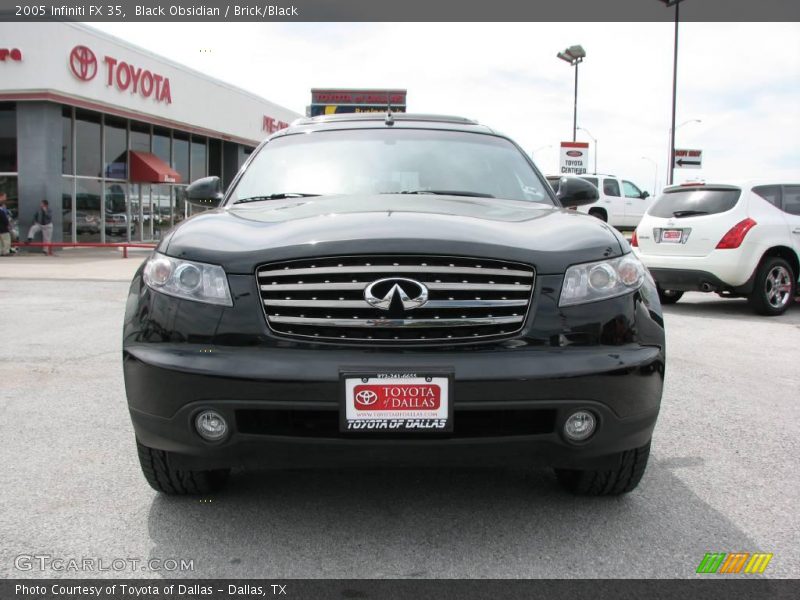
(592, 180)
(791, 199)
(631, 191)
(610, 187)
(694, 202)
(770, 193)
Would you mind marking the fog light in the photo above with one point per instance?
(579, 426)
(211, 425)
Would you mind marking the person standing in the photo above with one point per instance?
(42, 221)
(5, 227)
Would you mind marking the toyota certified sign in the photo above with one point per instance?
(121, 75)
(574, 157)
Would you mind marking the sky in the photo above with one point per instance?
(740, 80)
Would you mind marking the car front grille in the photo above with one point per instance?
(325, 298)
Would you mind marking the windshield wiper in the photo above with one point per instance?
(280, 196)
(688, 213)
(445, 193)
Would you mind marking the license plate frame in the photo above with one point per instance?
(411, 418)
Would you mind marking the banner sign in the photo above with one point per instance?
(326, 101)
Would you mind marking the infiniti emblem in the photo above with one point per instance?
(383, 292)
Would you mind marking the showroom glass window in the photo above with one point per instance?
(180, 154)
(140, 137)
(162, 144)
(86, 212)
(67, 141)
(8, 138)
(199, 157)
(215, 157)
(68, 215)
(8, 155)
(87, 144)
(116, 148)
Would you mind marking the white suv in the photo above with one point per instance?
(621, 203)
(734, 239)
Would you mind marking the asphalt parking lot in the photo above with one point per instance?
(722, 476)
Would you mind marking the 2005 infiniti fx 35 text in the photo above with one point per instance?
(395, 290)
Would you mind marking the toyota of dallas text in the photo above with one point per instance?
(394, 290)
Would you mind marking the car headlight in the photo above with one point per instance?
(595, 281)
(187, 279)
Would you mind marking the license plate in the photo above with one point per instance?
(671, 236)
(397, 402)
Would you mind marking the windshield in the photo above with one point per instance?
(390, 161)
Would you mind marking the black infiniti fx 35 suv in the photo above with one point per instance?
(401, 290)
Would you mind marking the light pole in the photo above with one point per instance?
(594, 139)
(574, 55)
(655, 177)
(533, 152)
(671, 162)
(672, 133)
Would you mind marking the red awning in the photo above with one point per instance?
(148, 168)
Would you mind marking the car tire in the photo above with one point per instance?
(589, 482)
(669, 296)
(599, 214)
(168, 480)
(774, 287)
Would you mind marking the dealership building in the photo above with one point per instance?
(110, 134)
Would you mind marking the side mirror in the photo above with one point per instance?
(574, 191)
(645, 195)
(205, 192)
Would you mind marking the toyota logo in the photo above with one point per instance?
(366, 397)
(408, 293)
(83, 63)
(574, 153)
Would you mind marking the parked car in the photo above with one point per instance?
(735, 239)
(621, 203)
(396, 290)
(86, 223)
(117, 224)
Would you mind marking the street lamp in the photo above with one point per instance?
(671, 163)
(574, 55)
(655, 177)
(594, 139)
(533, 152)
(671, 150)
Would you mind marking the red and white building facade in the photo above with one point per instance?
(110, 134)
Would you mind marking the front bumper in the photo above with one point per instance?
(283, 406)
(281, 396)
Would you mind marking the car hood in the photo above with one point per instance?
(239, 237)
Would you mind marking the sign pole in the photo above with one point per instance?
(671, 163)
(575, 107)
